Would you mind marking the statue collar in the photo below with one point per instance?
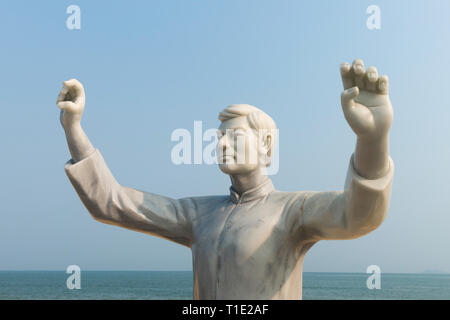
(258, 192)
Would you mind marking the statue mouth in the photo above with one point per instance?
(227, 159)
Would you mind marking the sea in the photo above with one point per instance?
(177, 285)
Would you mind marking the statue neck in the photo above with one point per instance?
(247, 181)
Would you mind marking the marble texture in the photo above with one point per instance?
(248, 246)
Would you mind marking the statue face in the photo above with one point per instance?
(237, 150)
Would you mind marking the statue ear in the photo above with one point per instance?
(266, 145)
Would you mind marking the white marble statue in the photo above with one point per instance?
(251, 243)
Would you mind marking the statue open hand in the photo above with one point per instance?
(71, 100)
(365, 101)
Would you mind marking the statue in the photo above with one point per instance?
(251, 243)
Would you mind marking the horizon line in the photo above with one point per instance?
(142, 270)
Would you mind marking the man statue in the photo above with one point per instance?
(251, 243)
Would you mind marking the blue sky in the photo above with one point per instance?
(150, 67)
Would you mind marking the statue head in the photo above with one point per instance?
(246, 139)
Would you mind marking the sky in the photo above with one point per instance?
(151, 67)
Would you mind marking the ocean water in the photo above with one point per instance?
(178, 285)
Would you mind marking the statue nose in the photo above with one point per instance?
(223, 142)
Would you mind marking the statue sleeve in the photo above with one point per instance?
(357, 210)
(109, 202)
